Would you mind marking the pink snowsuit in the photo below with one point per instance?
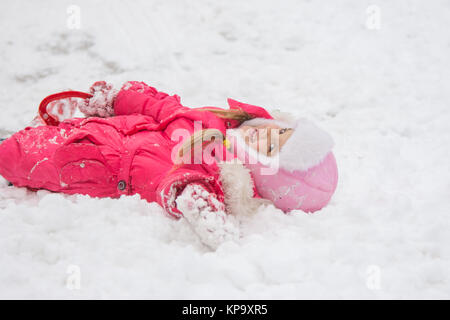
(125, 154)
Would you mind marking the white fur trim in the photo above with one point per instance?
(306, 147)
(238, 187)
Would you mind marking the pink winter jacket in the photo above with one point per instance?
(125, 154)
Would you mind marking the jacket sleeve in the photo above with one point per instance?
(174, 183)
(139, 98)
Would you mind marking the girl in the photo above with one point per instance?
(140, 140)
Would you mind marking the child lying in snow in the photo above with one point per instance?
(140, 140)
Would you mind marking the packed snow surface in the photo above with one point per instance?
(374, 74)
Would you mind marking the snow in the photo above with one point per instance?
(381, 90)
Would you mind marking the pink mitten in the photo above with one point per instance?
(102, 102)
(206, 216)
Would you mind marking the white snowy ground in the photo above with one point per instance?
(382, 93)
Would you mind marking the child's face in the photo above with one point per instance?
(268, 139)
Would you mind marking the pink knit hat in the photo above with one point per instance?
(303, 176)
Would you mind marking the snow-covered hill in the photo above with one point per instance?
(374, 74)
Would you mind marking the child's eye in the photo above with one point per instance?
(284, 130)
(272, 147)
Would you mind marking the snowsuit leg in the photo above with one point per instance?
(26, 158)
(1, 140)
(68, 158)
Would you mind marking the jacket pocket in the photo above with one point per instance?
(83, 169)
(85, 172)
